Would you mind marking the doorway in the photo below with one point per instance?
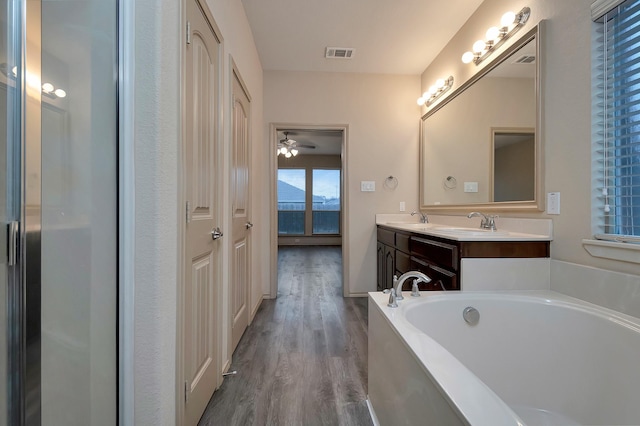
(309, 203)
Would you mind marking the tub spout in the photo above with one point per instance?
(397, 282)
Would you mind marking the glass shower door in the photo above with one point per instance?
(58, 204)
(10, 133)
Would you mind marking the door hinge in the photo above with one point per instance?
(13, 234)
(186, 391)
(188, 32)
(188, 215)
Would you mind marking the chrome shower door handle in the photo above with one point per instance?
(249, 225)
(216, 233)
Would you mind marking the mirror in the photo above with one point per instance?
(481, 146)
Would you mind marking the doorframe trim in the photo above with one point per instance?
(273, 141)
(126, 212)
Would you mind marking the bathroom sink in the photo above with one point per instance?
(412, 225)
(472, 232)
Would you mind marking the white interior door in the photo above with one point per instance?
(200, 286)
(241, 223)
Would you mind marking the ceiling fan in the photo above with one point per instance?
(289, 147)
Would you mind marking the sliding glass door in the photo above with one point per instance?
(58, 192)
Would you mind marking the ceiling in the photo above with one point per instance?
(324, 142)
(389, 36)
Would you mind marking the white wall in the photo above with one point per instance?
(158, 38)
(383, 118)
(157, 136)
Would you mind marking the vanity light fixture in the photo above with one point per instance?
(510, 24)
(435, 91)
(47, 88)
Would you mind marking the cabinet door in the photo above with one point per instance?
(380, 263)
(389, 266)
(403, 262)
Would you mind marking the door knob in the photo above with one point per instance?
(249, 225)
(216, 233)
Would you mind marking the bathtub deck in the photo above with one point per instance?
(538, 416)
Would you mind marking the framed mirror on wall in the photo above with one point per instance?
(486, 137)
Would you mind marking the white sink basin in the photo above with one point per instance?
(471, 232)
(413, 225)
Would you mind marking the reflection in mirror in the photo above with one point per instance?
(484, 136)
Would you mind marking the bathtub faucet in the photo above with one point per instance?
(397, 282)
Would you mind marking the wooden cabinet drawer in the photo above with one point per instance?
(386, 237)
(440, 278)
(436, 252)
(403, 262)
(402, 242)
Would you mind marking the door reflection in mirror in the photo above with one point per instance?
(513, 164)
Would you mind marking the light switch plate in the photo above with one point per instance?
(367, 186)
(403, 206)
(553, 203)
(471, 187)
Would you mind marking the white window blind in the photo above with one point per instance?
(617, 141)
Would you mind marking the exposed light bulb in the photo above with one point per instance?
(294, 152)
(47, 88)
(421, 101)
(432, 90)
(60, 93)
(492, 34)
(426, 95)
(508, 19)
(479, 46)
(440, 83)
(467, 57)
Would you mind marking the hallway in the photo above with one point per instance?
(303, 360)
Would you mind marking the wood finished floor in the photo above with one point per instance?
(303, 360)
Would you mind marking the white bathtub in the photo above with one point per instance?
(534, 358)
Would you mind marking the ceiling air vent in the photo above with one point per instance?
(339, 52)
(525, 59)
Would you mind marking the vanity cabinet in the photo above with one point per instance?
(396, 256)
(440, 258)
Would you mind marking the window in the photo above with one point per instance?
(326, 201)
(291, 201)
(309, 201)
(617, 121)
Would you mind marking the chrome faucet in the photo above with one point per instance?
(396, 291)
(487, 221)
(423, 217)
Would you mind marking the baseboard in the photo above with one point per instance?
(358, 295)
(254, 311)
(372, 413)
(225, 368)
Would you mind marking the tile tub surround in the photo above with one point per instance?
(613, 290)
